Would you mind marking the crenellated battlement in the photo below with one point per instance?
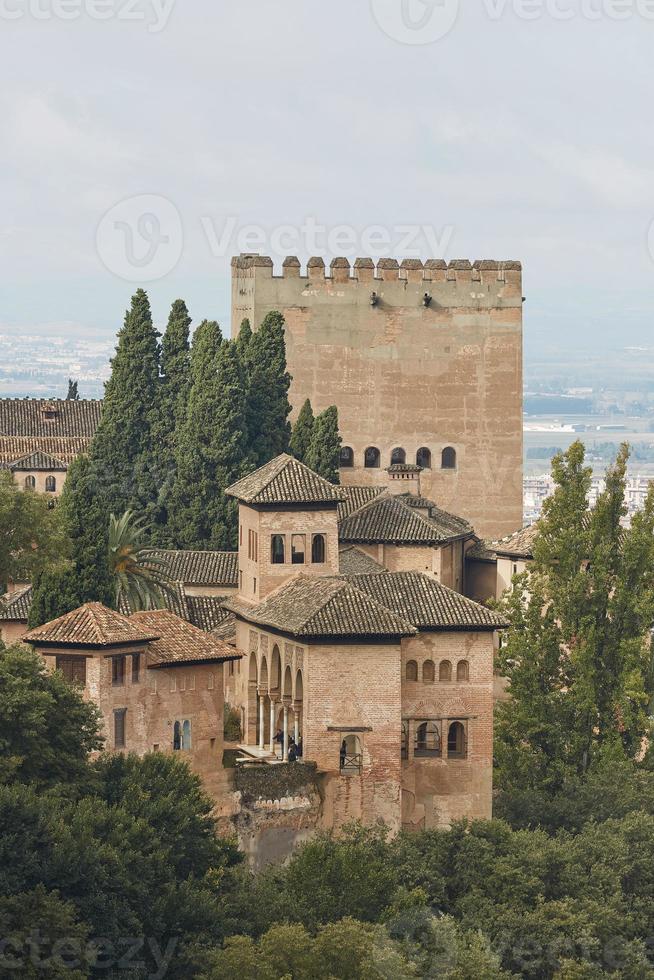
(364, 270)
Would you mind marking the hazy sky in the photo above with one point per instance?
(525, 132)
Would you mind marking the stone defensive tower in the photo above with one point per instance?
(424, 362)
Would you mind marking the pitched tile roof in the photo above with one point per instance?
(285, 480)
(448, 524)
(312, 607)
(64, 449)
(227, 629)
(92, 625)
(70, 419)
(201, 567)
(353, 561)
(206, 611)
(356, 497)
(520, 544)
(426, 603)
(178, 642)
(38, 460)
(394, 520)
(16, 605)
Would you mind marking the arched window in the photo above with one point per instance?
(457, 744)
(448, 458)
(50, 484)
(445, 671)
(177, 736)
(428, 672)
(463, 670)
(298, 548)
(186, 735)
(405, 740)
(423, 458)
(398, 456)
(350, 754)
(412, 670)
(428, 739)
(372, 458)
(30, 483)
(318, 549)
(346, 459)
(277, 549)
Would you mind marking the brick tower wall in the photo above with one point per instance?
(408, 370)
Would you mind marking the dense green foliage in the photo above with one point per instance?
(325, 445)
(31, 536)
(213, 445)
(140, 578)
(86, 578)
(302, 432)
(268, 382)
(577, 655)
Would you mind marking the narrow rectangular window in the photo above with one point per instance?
(136, 668)
(117, 671)
(119, 728)
(73, 669)
(298, 547)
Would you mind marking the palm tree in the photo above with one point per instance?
(141, 577)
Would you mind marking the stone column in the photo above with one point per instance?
(261, 721)
(285, 756)
(296, 725)
(272, 724)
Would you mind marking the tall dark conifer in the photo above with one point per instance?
(302, 432)
(325, 446)
(268, 380)
(212, 448)
(174, 390)
(122, 451)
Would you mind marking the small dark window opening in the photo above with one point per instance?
(298, 546)
(372, 458)
(30, 483)
(50, 484)
(117, 671)
(457, 746)
(136, 668)
(448, 458)
(346, 459)
(277, 549)
(398, 456)
(177, 737)
(445, 671)
(119, 728)
(318, 549)
(412, 670)
(423, 458)
(428, 739)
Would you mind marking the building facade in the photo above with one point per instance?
(424, 362)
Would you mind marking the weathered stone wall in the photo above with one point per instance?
(436, 791)
(405, 374)
(12, 631)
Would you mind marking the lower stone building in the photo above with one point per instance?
(384, 680)
(157, 680)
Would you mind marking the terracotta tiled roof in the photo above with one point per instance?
(92, 625)
(426, 603)
(356, 497)
(178, 641)
(353, 561)
(201, 567)
(393, 520)
(520, 544)
(227, 629)
(447, 524)
(65, 450)
(284, 481)
(323, 607)
(16, 605)
(70, 419)
(38, 460)
(206, 611)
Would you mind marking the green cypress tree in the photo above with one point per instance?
(302, 432)
(268, 382)
(212, 449)
(122, 451)
(170, 412)
(87, 578)
(73, 392)
(325, 446)
(244, 336)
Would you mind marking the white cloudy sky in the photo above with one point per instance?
(509, 138)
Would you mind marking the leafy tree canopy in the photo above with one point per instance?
(31, 534)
